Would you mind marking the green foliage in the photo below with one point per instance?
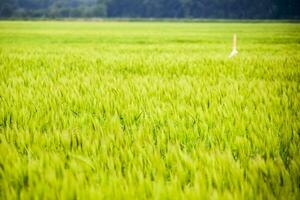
(149, 110)
(233, 9)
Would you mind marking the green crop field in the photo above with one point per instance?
(149, 110)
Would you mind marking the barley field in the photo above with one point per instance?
(149, 110)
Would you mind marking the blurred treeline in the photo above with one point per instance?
(234, 9)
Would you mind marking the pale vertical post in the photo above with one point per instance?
(234, 45)
(234, 51)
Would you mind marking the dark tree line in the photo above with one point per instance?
(234, 9)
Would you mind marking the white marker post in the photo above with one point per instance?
(234, 51)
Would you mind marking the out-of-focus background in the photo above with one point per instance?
(225, 9)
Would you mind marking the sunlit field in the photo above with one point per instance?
(139, 110)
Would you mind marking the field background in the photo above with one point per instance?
(149, 110)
